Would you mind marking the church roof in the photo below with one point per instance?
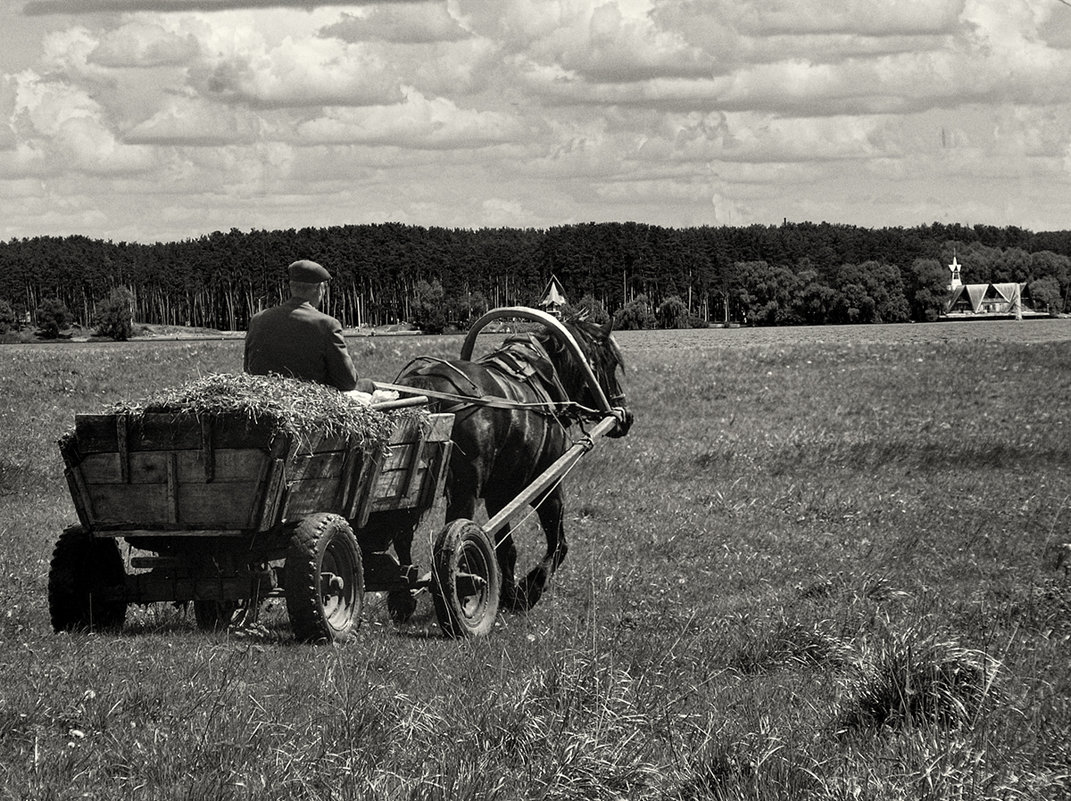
(554, 295)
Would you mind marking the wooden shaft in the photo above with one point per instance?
(545, 479)
(416, 400)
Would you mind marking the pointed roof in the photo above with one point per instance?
(554, 295)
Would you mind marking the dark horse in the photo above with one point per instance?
(499, 449)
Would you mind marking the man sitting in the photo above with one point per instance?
(295, 339)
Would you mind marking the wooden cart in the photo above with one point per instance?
(222, 512)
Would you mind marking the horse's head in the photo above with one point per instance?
(603, 357)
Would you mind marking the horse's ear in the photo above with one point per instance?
(604, 331)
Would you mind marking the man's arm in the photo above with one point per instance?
(247, 348)
(340, 370)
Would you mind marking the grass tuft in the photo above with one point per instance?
(912, 678)
(791, 644)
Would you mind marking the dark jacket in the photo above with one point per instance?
(294, 339)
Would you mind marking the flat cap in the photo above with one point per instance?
(308, 272)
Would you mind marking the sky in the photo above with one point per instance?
(163, 120)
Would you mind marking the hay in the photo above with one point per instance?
(292, 407)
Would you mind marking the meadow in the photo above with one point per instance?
(825, 564)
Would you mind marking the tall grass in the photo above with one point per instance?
(812, 570)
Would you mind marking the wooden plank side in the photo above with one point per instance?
(319, 443)
(79, 496)
(150, 467)
(230, 505)
(318, 465)
(398, 490)
(127, 503)
(153, 432)
(172, 489)
(389, 483)
(149, 505)
(313, 495)
(272, 491)
(399, 456)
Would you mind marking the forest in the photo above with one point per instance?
(641, 275)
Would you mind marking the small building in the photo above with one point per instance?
(984, 300)
(553, 298)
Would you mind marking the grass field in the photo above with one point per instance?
(824, 564)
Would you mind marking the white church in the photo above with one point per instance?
(983, 300)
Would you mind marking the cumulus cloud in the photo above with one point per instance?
(858, 17)
(143, 44)
(60, 128)
(306, 72)
(75, 7)
(606, 44)
(407, 24)
(674, 112)
(8, 89)
(196, 122)
(419, 122)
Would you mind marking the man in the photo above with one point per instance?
(295, 339)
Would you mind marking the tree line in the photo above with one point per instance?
(641, 275)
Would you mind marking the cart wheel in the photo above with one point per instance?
(324, 580)
(84, 580)
(466, 580)
(213, 615)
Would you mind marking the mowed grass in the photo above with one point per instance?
(825, 564)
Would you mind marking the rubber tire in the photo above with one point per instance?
(320, 612)
(462, 547)
(213, 615)
(83, 566)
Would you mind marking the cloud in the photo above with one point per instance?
(600, 40)
(61, 129)
(196, 122)
(604, 44)
(419, 122)
(8, 94)
(758, 138)
(77, 7)
(144, 44)
(406, 24)
(299, 73)
(860, 17)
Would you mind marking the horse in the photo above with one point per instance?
(501, 447)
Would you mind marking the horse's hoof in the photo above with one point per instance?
(511, 599)
(401, 605)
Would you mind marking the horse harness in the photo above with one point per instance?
(523, 359)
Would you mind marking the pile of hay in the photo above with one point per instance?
(293, 407)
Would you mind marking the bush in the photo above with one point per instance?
(52, 317)
(635, 315)
(672, 313)
(429, 309)
(588, 308)
(114, 317)
(8, 319)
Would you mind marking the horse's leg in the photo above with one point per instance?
(402, 603)
(506, 552)
(550, 519)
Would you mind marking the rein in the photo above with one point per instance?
(493, 402)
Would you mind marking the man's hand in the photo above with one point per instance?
(365, 385)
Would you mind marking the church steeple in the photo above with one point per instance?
(954, 268)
